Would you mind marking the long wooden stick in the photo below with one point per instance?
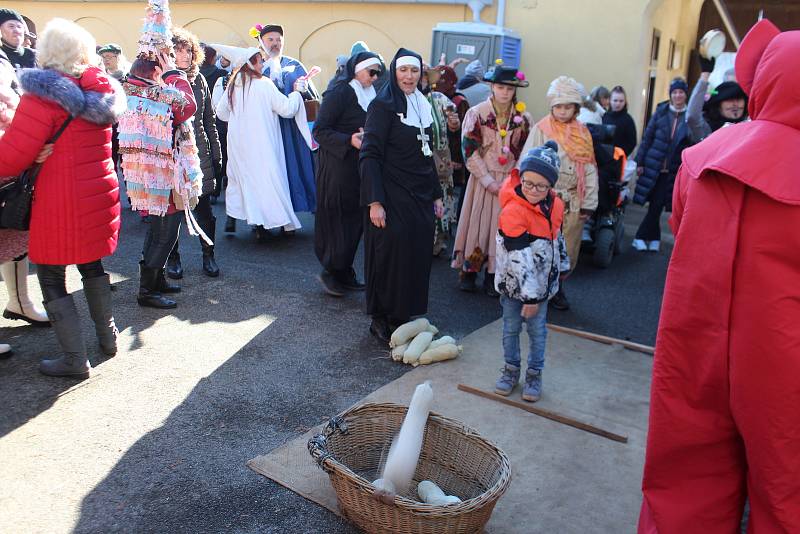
(647, 349)
(553, 416)
(725, 15)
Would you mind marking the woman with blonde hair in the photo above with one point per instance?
(75, 215)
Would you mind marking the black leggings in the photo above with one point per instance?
(52, 278)
(161, 236)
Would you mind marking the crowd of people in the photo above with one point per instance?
(418, 162)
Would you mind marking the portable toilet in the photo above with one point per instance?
(476, 40)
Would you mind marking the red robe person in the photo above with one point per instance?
(725, 397)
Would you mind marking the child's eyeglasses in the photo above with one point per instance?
(541, 188)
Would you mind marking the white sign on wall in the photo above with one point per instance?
(467, 50)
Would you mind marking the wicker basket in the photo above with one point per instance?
(454, 456)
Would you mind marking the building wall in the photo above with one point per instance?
(607, 46)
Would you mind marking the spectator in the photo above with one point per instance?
(577, 183)
(711, 110)
(494, 133)
(657, 161)
(602, 96)
(472, 86)
(75, 214)
(188, 57)
(12, 38)
(114, 62)
(618, 116)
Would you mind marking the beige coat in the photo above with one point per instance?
(567, 188)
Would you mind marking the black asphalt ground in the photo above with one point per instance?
(315, 360)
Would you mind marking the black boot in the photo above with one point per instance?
(230, 225)
(330, 285)
(209, 263)
(174, 267)
(165, 286)
(150, 295)
(380, 328)
(348, 280)
(67, 326)
(467, 282)
(488, 285)
(559, 300)
(98, 297)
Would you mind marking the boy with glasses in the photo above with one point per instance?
(531, 255)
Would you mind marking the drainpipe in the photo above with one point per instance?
(501, 12)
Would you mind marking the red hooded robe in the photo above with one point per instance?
(725, 406)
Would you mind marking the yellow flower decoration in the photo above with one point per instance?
(254, 33)
(521, 107)
(498, 61)
(503, 132)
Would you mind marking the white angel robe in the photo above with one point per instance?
(258, 184)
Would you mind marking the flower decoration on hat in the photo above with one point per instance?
(156, 38)
(498, 61)
(520, 76)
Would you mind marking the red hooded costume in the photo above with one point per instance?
(725, 406)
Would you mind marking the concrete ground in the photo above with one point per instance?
(157, 440)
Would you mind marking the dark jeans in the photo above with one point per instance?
(52, 278)
(162, 234)
(650, 229)
(204, 217)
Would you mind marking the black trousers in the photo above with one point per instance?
(204, 217)
(52, 278)
(161, 237)
(650, 228)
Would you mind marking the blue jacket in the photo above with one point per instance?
(656, 148)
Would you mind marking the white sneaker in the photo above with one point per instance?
(654, 246)
(4, 349)
(639, 245)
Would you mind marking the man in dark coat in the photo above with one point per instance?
(12, 34)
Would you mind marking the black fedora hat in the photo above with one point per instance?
(506, 76)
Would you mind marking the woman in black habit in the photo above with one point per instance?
(400, 189)
(338, 130)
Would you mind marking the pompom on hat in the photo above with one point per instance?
(564, 90)
(156, 35)
(542, 160)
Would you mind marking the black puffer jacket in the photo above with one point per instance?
(659, 146)
(205, 132)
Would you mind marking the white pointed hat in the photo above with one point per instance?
(237, 55)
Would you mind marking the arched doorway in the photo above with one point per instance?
(216, 31)
(325, 43)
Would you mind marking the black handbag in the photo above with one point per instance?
(16, 196)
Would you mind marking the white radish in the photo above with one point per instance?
(439, 354)
(401, 464)
(433, 330)
(432, 494)
(397, 352)
(446, 340)
(417, 347)
(408, 331)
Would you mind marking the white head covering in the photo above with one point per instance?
(236, 55)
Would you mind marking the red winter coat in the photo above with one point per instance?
(76, 214)
(725, 407)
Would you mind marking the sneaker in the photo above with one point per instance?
(654, 246)
(532, 389)
(507, 381)
(639, 245)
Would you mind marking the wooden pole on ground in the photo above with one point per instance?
(647, 349)
(553, 416)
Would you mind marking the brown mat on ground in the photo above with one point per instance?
(564, 479)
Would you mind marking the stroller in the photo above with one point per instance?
(604, 233)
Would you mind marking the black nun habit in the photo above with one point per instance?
(339, 218)
(397, 171)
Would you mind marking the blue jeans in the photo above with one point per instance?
(512, 326)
